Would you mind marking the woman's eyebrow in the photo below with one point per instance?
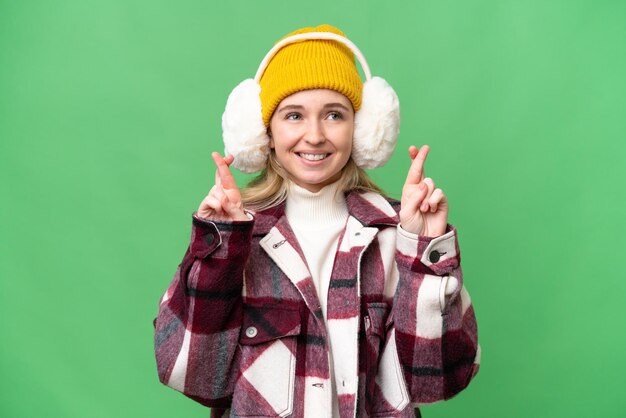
(300, 107)
(290, 107)
(327, 105)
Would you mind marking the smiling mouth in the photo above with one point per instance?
(312, 157)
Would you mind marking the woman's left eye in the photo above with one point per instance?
(335, 116)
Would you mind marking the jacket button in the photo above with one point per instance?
(251, 332)
(434, 256)
(209, 239)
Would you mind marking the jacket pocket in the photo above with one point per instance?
(389, 394)
(268, 343)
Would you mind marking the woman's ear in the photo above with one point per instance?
(269, 134)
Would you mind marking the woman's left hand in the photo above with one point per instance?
(424, 208)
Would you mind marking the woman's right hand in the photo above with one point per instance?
(223, 203)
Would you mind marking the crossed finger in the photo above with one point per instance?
(223, 176)
(416, 171)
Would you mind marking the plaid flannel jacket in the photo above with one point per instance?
(240, 328)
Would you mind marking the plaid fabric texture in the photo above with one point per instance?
(240, 328)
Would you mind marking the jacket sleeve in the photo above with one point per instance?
(199, 318)
(434, 322)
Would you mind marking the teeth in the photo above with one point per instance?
(313, 157)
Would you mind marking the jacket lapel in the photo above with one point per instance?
(281, 246)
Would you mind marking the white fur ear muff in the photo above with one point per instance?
(377, 123)
(245, 135)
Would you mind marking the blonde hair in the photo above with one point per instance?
(269, 189)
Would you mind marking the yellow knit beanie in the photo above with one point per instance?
(310, 64)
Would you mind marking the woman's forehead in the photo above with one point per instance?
(316, 97)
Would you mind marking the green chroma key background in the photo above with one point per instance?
(109, 111)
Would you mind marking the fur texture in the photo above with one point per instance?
(377, 124)
(245, 135)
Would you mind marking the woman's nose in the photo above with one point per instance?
(315, 133)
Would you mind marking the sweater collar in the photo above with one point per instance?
(316, 210)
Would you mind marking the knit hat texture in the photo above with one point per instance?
(310, 64)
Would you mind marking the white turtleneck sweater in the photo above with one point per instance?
(317, 219)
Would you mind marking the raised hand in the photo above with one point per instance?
(223, 203)
(423, 209)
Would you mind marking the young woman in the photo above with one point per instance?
(308, 293)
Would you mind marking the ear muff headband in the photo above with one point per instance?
(317, 36)
(376, 124)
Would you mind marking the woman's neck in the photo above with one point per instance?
(311, 211)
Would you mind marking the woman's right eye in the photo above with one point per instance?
(293, 116)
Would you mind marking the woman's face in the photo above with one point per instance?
(311, 133)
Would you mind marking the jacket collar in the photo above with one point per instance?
(370, 209)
